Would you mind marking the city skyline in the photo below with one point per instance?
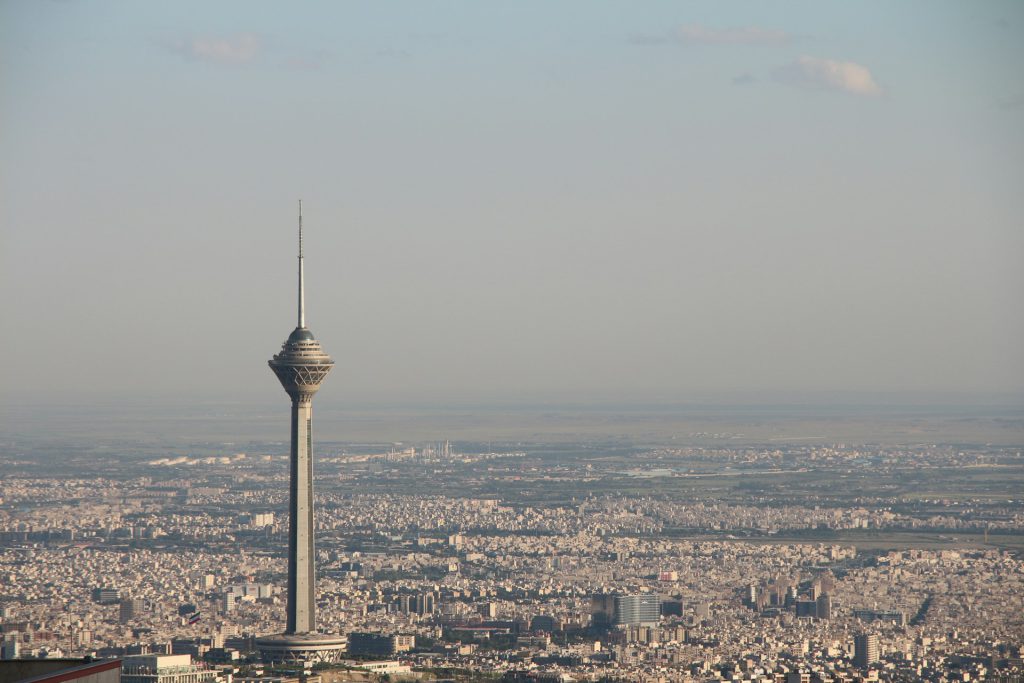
(594, 560)
(541, 203)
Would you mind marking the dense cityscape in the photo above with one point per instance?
(592, 561)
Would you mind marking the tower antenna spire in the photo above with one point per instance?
(302, 277)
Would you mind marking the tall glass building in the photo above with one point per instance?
(637, 610)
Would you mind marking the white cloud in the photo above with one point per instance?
(698, 34)
(237, 49)
(828, 74)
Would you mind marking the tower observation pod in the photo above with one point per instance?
(301, 367)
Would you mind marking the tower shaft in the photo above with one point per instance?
(301, 549)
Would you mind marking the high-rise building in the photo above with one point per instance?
(824, 608)
(806, 608)
(602, 610)
(625, 610)
(544, 622)
(643, 609)
(130, 609)
(9, 646)
(300, 367)
(672, 608)
(426, 604)
(865, 650)
(262, 519)
(106, 596)
(895, 616)
(361, 644)
(164, 669)
(404, 604)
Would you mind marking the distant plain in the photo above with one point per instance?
(666, 423)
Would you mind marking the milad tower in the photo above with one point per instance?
(301, 366)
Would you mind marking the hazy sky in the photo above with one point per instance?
(518, 199)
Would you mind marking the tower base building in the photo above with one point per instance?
(295, 648)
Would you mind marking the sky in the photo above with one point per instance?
(564, 201)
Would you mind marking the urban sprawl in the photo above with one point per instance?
(526, 561)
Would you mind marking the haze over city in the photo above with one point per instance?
(521, 201)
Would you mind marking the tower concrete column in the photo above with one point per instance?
(301, 547)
